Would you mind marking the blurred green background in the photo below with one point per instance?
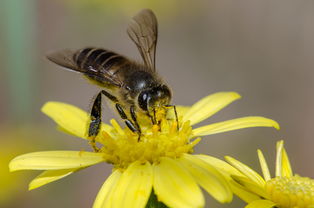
(262, 49)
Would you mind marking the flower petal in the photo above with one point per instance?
(181, 111)
(250, 185)
(55, 160)
(49, 176)
(245, 170)
(174, 185)
(286, 167)
(104, 196)
(225, 168)
(134, 187)
(234, 124)
(279, 147)
(264, 165)
(242, 192)
(209, 105)
(207, 177)
(261, 204)
(283, 167)
(70, 118)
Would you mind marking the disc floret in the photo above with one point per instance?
(164, 140)
(294, 191)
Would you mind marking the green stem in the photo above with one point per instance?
(154, 203)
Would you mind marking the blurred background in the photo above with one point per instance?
(260, 49)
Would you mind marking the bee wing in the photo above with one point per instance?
(65, 58)
(143, 31)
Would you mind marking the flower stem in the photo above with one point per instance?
(154, 203)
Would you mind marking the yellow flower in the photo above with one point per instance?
(285, 190)
(161, 161)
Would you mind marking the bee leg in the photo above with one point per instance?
(133, 127)
(109, 96)
(151, 118)
(95, 122)
(175, 113)
(134, 118)
(128, 122)
(154, 117)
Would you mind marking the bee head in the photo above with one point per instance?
(154, 98)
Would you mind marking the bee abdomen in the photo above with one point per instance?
(98, 59)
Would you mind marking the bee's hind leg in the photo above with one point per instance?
(95, 116)
(95, 121)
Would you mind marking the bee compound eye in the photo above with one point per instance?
(143, 99)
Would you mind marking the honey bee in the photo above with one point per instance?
(133, 87)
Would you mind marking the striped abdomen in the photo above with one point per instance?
(99, 62)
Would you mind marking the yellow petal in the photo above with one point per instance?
(242, 192)
(49, 176)
(263, 165)
(234, 124)
(261, 204)
(245, 170)
(225, 168)
(250, 185)
(55, 160)
(207, 177)
(283, 167)
(209, 105)
(70, 118)
(279, 147)
(286, 167)
(175, 186)
(104, 196)
(181, 110)
(134, 187)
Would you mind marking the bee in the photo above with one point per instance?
(132, 87)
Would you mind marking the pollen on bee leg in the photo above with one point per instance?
(92, 142)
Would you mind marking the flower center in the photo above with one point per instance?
(291, 192)
(122, 147)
